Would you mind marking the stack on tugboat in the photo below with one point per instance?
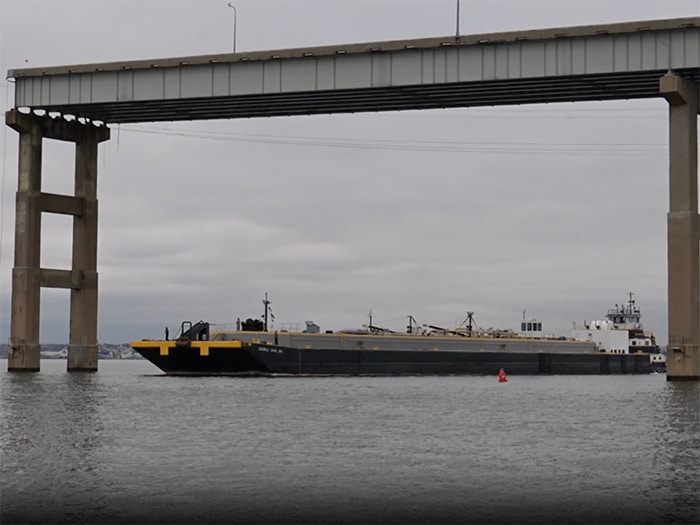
(253, 349)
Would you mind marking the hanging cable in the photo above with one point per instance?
(2, 183)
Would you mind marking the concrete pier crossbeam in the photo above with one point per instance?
(683, 359)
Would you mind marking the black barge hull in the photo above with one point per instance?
(214, 358)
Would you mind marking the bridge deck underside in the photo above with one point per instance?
(629, 85)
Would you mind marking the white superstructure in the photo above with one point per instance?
(605, 336)
(621, 332)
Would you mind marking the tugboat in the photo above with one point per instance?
(621, 332)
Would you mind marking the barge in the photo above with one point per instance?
(253, 349)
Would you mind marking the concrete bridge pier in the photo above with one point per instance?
(683, 359)
(27, 275)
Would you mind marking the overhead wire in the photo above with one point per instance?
(442, 145)
(3, 159)
(531, 113)
(445, 146)
(4, 170)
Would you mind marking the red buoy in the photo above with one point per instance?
(502, 376)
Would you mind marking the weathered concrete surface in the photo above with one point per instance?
(683, 359)
(27, 276)
(82, 346)
(24, 352)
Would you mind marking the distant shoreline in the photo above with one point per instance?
(60, 351)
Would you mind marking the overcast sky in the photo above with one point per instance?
(558, 209)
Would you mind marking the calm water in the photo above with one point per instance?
(128, 445)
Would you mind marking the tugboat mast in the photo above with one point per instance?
(470, 323)
(267, 309)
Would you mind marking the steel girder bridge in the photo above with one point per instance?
(77, 103)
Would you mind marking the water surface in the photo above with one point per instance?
(129, 445)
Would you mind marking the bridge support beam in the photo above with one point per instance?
(27, 275)
(683, 358)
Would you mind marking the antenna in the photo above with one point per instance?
(457, 31)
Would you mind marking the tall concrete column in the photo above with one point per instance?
(82, 348)
(24, 354)
(683, 359)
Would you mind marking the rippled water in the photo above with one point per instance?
(128, 445)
